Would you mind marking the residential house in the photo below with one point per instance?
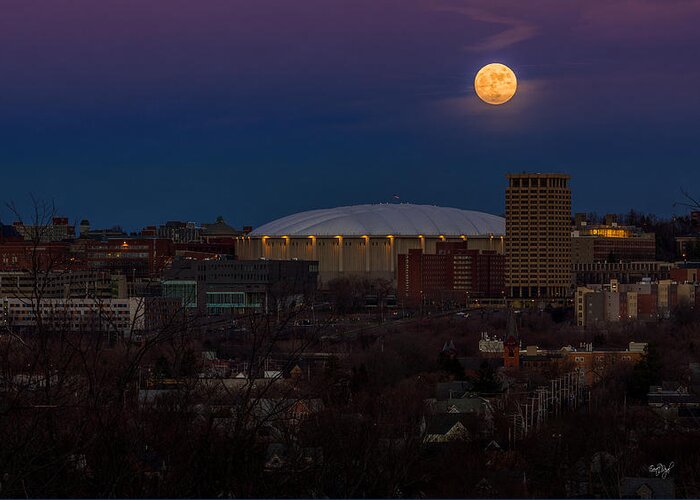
(647, 487)
(444, 428)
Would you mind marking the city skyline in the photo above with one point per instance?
(258, 110)
(349, 249)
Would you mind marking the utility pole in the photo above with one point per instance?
(526, 420)
(551, 395)
(510, 441)
(561, 394)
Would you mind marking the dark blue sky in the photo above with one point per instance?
(134, 112)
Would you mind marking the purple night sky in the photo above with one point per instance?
(135, 112)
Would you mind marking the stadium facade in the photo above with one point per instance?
(365, 240)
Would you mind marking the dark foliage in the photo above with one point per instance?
(645, 373)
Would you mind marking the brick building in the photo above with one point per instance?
(27, 255)
(132, 257)
(592, 365)
(686, 274)
(454, 272)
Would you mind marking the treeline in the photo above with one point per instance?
(80, 417)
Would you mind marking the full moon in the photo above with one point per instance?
(495, 83)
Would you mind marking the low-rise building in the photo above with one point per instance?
(132, 257)
(453, 273)
(647, 487)
(596, 304)
(62, 284)
(126, 318)
(180, 232)
(591, 364)
(444, 428)
(490, 346)
(624, 272)
(670, 395)
(689, 246)
(228, 286)
(610, 242)
(58, 230)
(89, 315)
(28, 255)
(686, 272)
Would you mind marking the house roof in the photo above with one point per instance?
(284, 408)
(493, 446)
(672, 398)
(461, 405)
(455, 389)
(673, 385)
(449, 346)
(275, 449)
(403, 219)
(660, 488)
(441, 423)
(219, 228)
(151, 395)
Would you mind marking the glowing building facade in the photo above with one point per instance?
(610, 242)
(538, 236)
(365, 240)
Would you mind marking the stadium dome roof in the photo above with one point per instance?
(403, 219)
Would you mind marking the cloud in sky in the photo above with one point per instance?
(628, 23)
(639, 22)
(513, 30)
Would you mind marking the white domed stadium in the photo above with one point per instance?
(366, 239)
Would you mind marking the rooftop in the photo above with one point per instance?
(386, 219)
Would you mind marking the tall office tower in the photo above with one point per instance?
(538, 236)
